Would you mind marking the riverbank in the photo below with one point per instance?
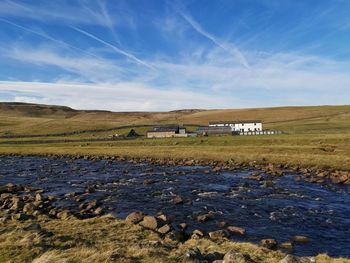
(320, 159)
(32, 232)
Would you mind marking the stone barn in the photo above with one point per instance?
(166, 131)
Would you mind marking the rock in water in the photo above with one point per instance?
(236, 230)
(164, 218)
(269, 243)
(178, 200)
(300, 239)
(287, 245)
(203, 218)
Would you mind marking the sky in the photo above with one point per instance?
(159, 55)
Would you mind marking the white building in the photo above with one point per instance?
(239, 126)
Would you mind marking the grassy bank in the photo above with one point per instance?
(307, 150)
(106, 239)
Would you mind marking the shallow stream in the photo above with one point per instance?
(275, 208)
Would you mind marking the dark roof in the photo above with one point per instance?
(234, 122)
(214, 130)
(132, 133)
(165, 128)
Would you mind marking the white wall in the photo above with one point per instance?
(240, 126)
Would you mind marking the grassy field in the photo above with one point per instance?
(315, 136)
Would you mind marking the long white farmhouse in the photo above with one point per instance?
(239, 125)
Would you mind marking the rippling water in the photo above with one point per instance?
(279, 209)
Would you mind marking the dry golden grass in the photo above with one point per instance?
(107, 239)
(306, 150)
(38, 119)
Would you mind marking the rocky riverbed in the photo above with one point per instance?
(189, 201)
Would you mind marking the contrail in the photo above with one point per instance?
(60, 42)
(233, 51)
(116, 49)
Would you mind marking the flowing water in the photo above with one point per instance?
(279, 209)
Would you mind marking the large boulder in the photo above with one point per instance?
(149, 222)
(134, 217)
(164, 229)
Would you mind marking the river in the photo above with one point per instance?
(277, 207)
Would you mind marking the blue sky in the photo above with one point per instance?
(151, 55)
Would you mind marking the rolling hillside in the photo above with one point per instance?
(32, 119)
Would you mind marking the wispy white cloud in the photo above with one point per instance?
(228, 47)
(116, 49)
(282, 78)
(56, 11)
(89, 68)
(48, 37)
(186, 71)
(115, 97)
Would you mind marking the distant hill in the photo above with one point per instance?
(25, 118)
(34, 110)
